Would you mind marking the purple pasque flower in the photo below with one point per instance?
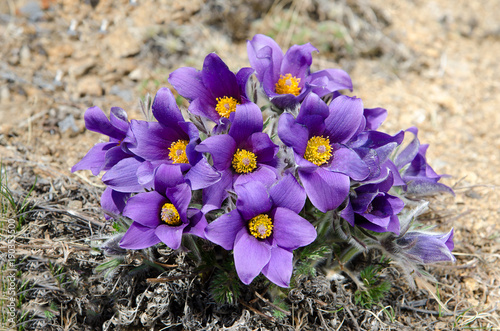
(170, 141)
(286, 78)
(426, 247)
(318, 137)
(162, 214)
(418, 177)
(370, 206)
(215, 92)
(264, 229)
(105, 155)
(244, 154)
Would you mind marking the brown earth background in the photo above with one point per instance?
(431, 64)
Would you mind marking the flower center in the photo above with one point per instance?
(170, 215)
(177, 151)
(318, 150)
(261, 226)
(288, 84)
(225, 106)
(244, 161)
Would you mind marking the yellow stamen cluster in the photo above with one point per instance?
(288, 84)
(318, 150)
(170, 215)
(177, 151)
(244, 161)
(225, 106)
(261, 226)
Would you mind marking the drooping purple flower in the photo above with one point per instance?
(103, 156)
(372, 208)
(419, 178)
(426, 247)
(162, 214)
(215, 92)
(264, 229)
(244, 154)
(170, 141)
(318, 137)
(286, 78)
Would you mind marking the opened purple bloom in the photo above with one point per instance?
(171, 141)
(372, 208)
(244, 154)
(419, 177)
(105, 155)
(286, 78)
(318, 136)
(215, 92)
(264, 229)
(162, 214)
(424, 247)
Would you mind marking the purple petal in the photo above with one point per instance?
(94, 159)
(326, 190)
(96, 120)
(290, 230)
(222, 148)
(327, 81)
(262, 146)
(224, 229)
(167, 176)
(145, 208)
(293, 134)
(242, 77)
(280, 267)
(214, 195)
(122, 177)
(145, 174)
(344, 119)
(247, 120)
(113, 201)
(263, 174)
(188, 83)
(348, 162)
(391, 224)
(374, 117)
(139, 237)
(165, 108)
(119, 119)
(202, 175)
(250, 256)
(197, 223)
(287, 193)
(253, 199)
(170, 235)
(217, 77)
(284, 101)
(313, 112)
(297, 61)
(348, 213)
(114, 155)
(264, 54)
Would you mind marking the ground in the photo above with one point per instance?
(431, 64)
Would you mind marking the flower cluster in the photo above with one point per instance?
(255, 146)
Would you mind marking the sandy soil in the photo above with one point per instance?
(431, 64)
